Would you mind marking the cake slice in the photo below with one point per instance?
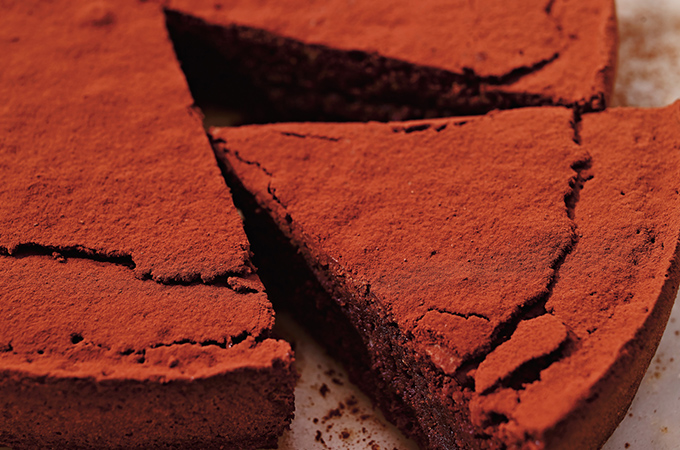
(493, 282)
(394, 60)
(130, 315)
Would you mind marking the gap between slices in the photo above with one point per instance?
(492, 376)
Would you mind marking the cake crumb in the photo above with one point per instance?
(324, 390)
(319, 438)
(58, 257)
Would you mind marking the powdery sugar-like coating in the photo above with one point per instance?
(414, 217)
(88, 318)
(471, 236)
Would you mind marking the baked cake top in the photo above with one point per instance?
(527, 255)
(557, 49)
(110, 194)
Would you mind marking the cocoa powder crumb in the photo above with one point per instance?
(318, 437)
(324, 390)
(336, 412)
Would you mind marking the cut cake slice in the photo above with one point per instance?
(396, 60)
(493, 282)
(130, 315)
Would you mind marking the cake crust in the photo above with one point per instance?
(109, 95)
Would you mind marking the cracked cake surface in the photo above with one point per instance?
(509, 275)
(385, 60)
(130, 315)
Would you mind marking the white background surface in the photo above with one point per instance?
(648, 75)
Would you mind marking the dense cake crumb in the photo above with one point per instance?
(130, 284)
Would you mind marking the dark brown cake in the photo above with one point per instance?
(493, 282)
(394, 60)
(130, 316)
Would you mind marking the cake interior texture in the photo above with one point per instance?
(501, 346)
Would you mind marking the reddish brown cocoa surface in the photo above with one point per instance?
(130, 306)
(562, 50)
(113, 159)
(115, 222)
(473, 236)
(91, 357)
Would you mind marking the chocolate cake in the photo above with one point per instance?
(393, 60)
(493, 282)
(130, 315)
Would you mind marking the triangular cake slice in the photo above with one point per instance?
(493, 282)
(130, 315)
(395, 60)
